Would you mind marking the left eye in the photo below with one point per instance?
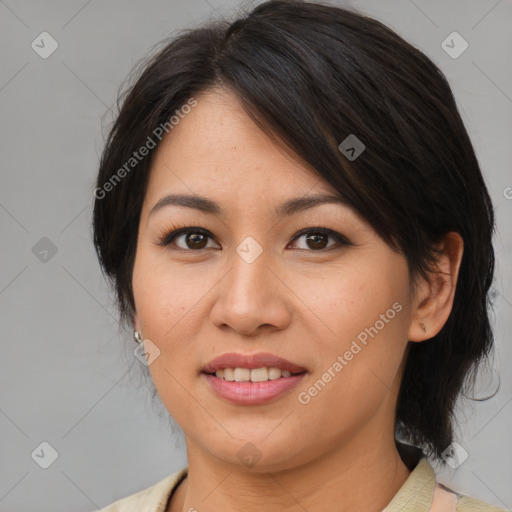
(316, 238)
(196, 236)
(196, 239)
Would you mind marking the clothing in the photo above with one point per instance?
(419, 493)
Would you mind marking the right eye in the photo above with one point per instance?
(193, 238)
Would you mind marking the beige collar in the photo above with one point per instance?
(421, 493)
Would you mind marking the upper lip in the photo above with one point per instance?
(259, 360)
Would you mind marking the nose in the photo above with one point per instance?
(252, 298)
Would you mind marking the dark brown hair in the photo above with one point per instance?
(311, 75)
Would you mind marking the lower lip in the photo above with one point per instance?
(252, 393)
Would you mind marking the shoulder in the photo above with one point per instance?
(470, 504)
(445, 499)
(151, 499)
(422, 491)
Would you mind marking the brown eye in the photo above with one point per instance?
(317, 239)
(196, 240)
(190, 238)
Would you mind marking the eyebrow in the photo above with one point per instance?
(289, 207)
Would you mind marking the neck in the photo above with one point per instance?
(357, 476)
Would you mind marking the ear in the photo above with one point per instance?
(434, 296)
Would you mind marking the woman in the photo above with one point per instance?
(299, 234)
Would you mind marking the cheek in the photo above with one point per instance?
(163, 295)
(364, 317)
(352, 297)
(168, 303)
(162, 302)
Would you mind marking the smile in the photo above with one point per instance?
(252, 375)
(251, 392)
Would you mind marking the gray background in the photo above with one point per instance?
(68, 375)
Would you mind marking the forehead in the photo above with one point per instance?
(217, 148)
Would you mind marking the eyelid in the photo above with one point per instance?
(178, 230)
(339, 237)
(169, 236)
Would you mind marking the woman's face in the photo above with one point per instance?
(338, 309)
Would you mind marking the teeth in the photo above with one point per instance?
(274, 373)
(242, 374)
(259, 375)
(253, 375)
(229, 374)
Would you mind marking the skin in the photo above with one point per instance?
(298, 301)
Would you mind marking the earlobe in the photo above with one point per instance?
(435, 295)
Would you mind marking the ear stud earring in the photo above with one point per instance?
(137, 337)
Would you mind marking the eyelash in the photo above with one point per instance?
(178, 230)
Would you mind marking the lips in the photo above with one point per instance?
(250, 361)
